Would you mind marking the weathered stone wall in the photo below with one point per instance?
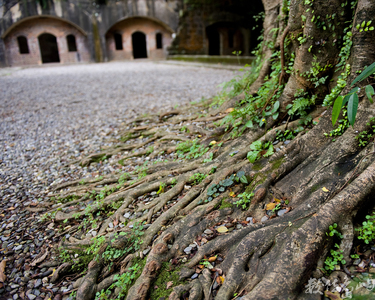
(32, 29)
(138, 24)
(232, 21)
(93, 19)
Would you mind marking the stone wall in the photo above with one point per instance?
(218, 27)
(32, 29)
(89, 17)
(126, 28)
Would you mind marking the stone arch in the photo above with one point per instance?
(32, 28)
(49, 50)
(150, 27)
(223, 38)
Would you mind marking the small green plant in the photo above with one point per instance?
(216, 189)
(277, 207)
(365, 26)
(336, 254)
(190, 149)
(367, 230)
(82, 181)
(287, 134)
(197, 178)
(335, 259)
(351, 99)
(209, 158)
(364, 136)
(237, 53)
(161, 188)
(244, 200)
(257, 147)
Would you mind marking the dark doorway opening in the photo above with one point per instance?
(23, 45)
(139, 45)
(213, 41)
(48, 48)
(118, 41)
(159, 41)
(71, 40)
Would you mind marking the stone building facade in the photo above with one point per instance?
(74, 31)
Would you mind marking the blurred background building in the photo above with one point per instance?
(73, 31)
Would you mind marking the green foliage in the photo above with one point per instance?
(161, 188)
(301, 104)
(367, 230)
(335, 259)
(287, 134)
(313, 74)
(123, 178)
(257, 147)
(215, 190)
(365, 26)
(123, 282)
(190, 149)
(343, 125)
(244, 200)
(249, 113)
(333, 231)
(351, 99)
(110, 253)
(336, 254)
(365, 136)
(197, 178)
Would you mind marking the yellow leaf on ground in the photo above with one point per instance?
(229, 110)
(277, 200)
(325, 190)
(232, 194)
(221, 279)
(270, 206)
(212, 258)
(212, 142)
(222, 229)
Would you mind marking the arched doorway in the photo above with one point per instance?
(49, 50)
(139, 45)
(213, 37)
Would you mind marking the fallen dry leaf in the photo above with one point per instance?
(332, 296)
(222, 229)
(169, 284)
(232, 194)
(229, 110)
(2, 270)
(325, 190)
(270, 206)
(211, 259)
(222, 279)
(212, 142)
(39, 259)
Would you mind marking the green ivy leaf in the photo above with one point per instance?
(269, 151)
(249, 124)
(336, 109)
(252, 156)
(257, 146)
(370, 92)
(244, 179)
(352, 108)
(366, 73)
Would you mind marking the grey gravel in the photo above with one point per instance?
(53, 115)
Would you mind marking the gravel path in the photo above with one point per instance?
(51, 115)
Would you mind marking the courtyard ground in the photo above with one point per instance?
(52, 115)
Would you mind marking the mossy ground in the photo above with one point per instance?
(168, 273)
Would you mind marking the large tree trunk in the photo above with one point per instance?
(272, 259)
